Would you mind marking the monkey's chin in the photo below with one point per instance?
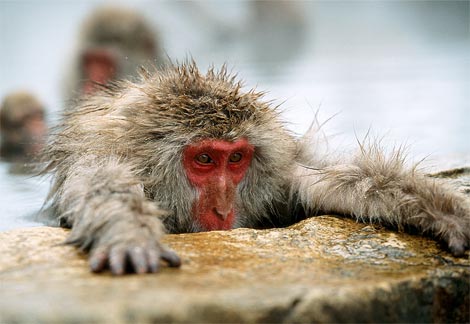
(210, 221)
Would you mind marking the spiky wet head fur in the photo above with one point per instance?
(147, 125)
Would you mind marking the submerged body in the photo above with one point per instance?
(181, 151)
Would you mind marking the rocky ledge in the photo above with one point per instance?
(325, 269)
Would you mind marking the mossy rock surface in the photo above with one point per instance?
(324, 269)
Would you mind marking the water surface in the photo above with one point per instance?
(21, 197)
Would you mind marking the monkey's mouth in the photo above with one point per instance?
(216, 219)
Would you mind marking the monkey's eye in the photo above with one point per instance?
(204, 159)
(235, 157)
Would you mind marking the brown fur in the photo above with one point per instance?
(117, 165)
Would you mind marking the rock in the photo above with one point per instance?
(324, 269)
(459, 178)
(454, 170)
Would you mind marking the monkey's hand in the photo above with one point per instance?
(104, 204)
(445, 215)
(123, 239)
(136, 250)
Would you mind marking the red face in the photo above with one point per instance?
(99, 66)
(215, 168)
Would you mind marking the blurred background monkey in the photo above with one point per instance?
(22, 127)
(113, 43)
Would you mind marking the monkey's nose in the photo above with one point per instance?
(222, 213)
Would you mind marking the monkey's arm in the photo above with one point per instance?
(104, 203)
(377, 189)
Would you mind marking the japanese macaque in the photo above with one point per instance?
(113, 43)
(22, 126)
(183, 151)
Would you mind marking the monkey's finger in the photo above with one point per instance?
(117, 258)
(138, 259)
(457, 246)
(98, 259)
(457, 251)
(171, 257)
(153, 259)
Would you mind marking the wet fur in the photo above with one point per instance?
(118, 176)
